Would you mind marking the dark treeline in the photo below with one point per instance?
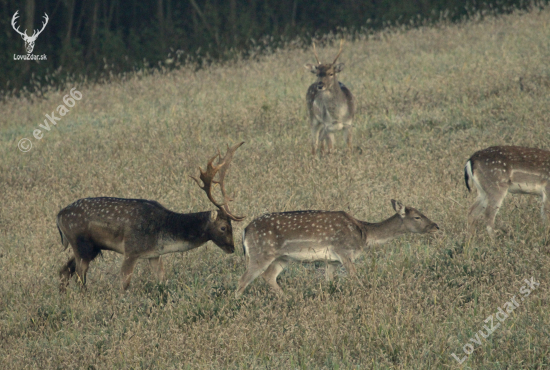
(97, 37)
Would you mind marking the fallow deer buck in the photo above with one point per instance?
(144, 229)
(330, 104)
(271, 241)
(499, 170)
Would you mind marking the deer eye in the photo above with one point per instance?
(417, 218)
(223, 228)
(331, 74)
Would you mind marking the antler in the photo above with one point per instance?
(315, 52)
(15, 16)
(227, 160)
(24, 34)
(339, 52)
(34, 34)
(207, 178)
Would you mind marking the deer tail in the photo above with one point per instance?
(468, 174)
(245, 247)
(64, 240)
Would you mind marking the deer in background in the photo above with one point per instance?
(330, 104)
(144, 229)
(499, 170)
(271, 241)
(29, 40)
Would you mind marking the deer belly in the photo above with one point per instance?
(108, 236)
(526, 183)
(169, 246)
(310, 252)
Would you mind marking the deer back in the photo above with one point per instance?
(299, 234)
(524, 170)
(141, 227)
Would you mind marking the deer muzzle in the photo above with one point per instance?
(433, 228)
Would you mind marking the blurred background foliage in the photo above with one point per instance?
(96, 39)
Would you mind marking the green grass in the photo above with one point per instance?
(427, 99)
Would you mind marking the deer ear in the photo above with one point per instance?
(213, 215)
(311, 67)
(339, 67)
(398, 207)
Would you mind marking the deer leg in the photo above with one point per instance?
(270, 275)
(254, 270)
(77, 262)
(350, 267)
(316, 128)
(545, 208)
(157, 267)
(348, 135)
(495, 199)
(329, 137)
(478, 207)
(82, 270)
(65, 274)
(78, 269)
(329, 271)
(475, 211)
(85, 252)
(127, 270)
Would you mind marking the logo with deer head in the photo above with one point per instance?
(29, 40)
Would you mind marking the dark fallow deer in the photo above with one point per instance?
(330, 104)
(271, 241)
(499, 170)
(144, 229)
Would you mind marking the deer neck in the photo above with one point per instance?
(335, 90)
(189, 228)
(381, 232)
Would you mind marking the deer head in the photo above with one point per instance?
(326, 73)
(29, 40)
(220, 227)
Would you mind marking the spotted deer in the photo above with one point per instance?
(271, 241)
(144, 229)
(499, 170)
(330, 104)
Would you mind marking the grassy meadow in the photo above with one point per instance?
(427, 99)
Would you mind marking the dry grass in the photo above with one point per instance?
(427, 99)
